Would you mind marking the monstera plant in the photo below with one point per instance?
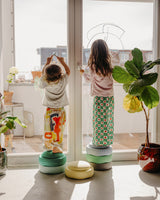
(137, 79)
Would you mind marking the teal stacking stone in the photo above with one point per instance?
(98, 159)
(52, 163)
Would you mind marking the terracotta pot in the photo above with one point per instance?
(8, 97)
(149, 157)
(3, 161)
(36, 74)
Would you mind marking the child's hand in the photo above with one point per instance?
(81, 71)
(49, 59)
(61, 59)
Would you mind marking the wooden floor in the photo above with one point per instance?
(35, 144)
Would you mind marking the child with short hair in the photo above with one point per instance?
(99, 73)
(55, 98)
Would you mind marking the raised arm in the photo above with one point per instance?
(49, 59)
(61, 60)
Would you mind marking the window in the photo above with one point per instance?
(32, 45)
(124, 26)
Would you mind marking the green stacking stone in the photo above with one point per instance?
(98, 159)
(49, 159)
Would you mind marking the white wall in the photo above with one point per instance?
(1, 63)
(31, 99)
(124, 122)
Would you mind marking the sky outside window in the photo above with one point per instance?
(43, 23)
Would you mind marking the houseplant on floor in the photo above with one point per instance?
(137, 79)
(6, 122)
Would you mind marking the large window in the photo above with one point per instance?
(124, 26)
(42, 27)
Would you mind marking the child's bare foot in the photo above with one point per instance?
(57, 150)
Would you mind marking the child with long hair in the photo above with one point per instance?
(99, 73)
(54, 82)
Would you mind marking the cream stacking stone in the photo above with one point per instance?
(79, 170)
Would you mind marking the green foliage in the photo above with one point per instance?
(137, 79)
(121, 75)
(9, 123)
(150, 97)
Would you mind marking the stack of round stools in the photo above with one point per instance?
(79, 170)
(100, 157)
(52, 163)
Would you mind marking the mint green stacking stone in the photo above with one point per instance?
(98, 159)
(52, 163)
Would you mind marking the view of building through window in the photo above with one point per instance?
(124, 26)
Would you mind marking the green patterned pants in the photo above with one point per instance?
(103, 121)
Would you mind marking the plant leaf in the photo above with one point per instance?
(3, 113)
(3, 129)
(10, 124)
(137, 58)
(20, 123)
(149, 79)
(126, 87)
(121, 75)
(149, 65)
(131, 68)
(136, 88)
(150, 97)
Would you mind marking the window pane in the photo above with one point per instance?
(40, 30)
(124, 26)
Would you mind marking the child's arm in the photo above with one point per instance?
(49, 59)
(61, 60)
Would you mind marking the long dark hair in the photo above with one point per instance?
(100, 59)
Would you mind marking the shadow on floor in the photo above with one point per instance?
(151, 179)
(60, 187)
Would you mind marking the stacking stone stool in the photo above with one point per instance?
(52, 163)
(100, 157)
(79, 170)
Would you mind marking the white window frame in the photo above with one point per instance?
(75, 59)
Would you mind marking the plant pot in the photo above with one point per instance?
(8, 97)
(36, 74)
(3, 161)
(149, 157)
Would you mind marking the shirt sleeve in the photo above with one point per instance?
(42, 82)
(65, 77)
(87, 74)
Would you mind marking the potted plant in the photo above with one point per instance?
(10, 78)
(36, 72)
(6, 122)
(137, 79)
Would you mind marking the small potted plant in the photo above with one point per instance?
(6, 122)
(36, 73)
(10, 78)
(137, 80)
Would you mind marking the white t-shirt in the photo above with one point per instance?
(55, 92)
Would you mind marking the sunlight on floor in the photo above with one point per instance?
(80, 191)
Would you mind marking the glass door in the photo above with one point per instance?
(40, 30)
(124, 26)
